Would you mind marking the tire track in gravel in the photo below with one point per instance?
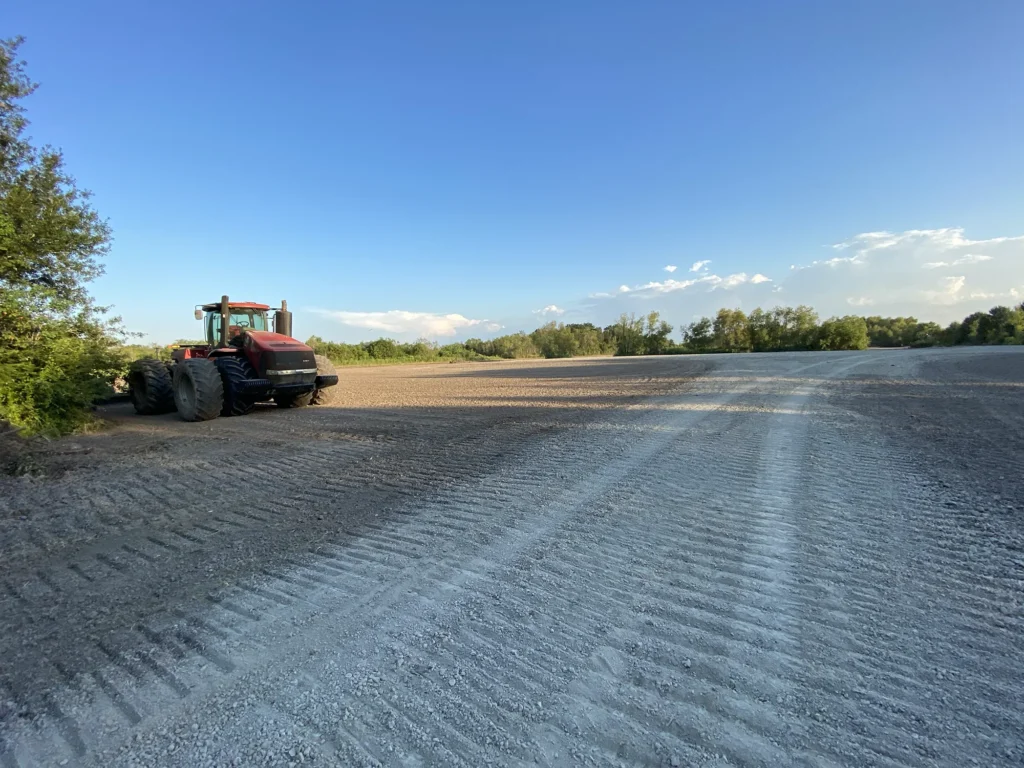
(236, 609)
(237, 603)
(765, 610)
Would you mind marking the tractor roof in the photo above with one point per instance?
(215, 307)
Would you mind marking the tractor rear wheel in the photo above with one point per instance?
(198, 390)
(327, 395)
(234, 371)
(149, 384)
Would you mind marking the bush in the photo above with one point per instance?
(49, 385)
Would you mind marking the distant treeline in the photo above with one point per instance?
(730, 330)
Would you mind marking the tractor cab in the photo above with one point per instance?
(243, 316)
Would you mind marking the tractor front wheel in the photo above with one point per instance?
(300, 400)
(198, 390)
(326, 395)
(149, 384)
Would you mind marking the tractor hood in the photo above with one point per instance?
(268, 340)
(280, 358)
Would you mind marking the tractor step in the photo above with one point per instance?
(249, 384)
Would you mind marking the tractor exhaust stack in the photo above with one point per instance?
(225, 319)
(283, 320)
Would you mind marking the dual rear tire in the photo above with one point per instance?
(205, 389)
(150, 387)
(198, 390)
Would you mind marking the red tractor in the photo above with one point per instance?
(241, 364)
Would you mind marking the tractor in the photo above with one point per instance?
(241, 364)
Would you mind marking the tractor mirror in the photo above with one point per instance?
(199, 314)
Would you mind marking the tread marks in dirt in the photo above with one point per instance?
(377, 570)
(586, 624)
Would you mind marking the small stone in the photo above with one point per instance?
(451, 681)
(687, 663)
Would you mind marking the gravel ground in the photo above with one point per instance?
(807, 559)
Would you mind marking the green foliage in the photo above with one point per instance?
(782, 328)
(391, 351)
(902, 332)
(572, 340)
(699, 335)
(775, 330)
(53, 367)
(514, 346)
(641, 335)
(730, 331)
(850, 332)
(57, 353)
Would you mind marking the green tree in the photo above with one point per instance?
(57, 352)
(850, 332)
(698, 335)
(629, 335)
(656, 335)
(555, 340)
(730, 331)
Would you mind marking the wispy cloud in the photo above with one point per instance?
(670, 285)
(550, 309)
(949, 293)
(895, 272)
(699, 265)
(400, 321)
(670, 267)
(969, 258)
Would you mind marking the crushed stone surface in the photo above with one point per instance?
(749, 560)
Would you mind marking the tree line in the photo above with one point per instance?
(781, 329)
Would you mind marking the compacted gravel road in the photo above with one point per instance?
(785, 559)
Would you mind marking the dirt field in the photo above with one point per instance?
(812, 559)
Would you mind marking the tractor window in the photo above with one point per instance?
(241, 320)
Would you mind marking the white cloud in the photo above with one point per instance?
(671, 268)
(666, 286)
(417, 324)
(968, 258)
(896, 272)
(670, 285)
(699, 265)
(733, 280)
(550, 309)
(949, 293)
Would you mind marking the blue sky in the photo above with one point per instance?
(449, 168)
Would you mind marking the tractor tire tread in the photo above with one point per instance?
(150, 386)
(207, 388)
(233, 370)
(326, 395)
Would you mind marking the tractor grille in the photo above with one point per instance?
(288, 360)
